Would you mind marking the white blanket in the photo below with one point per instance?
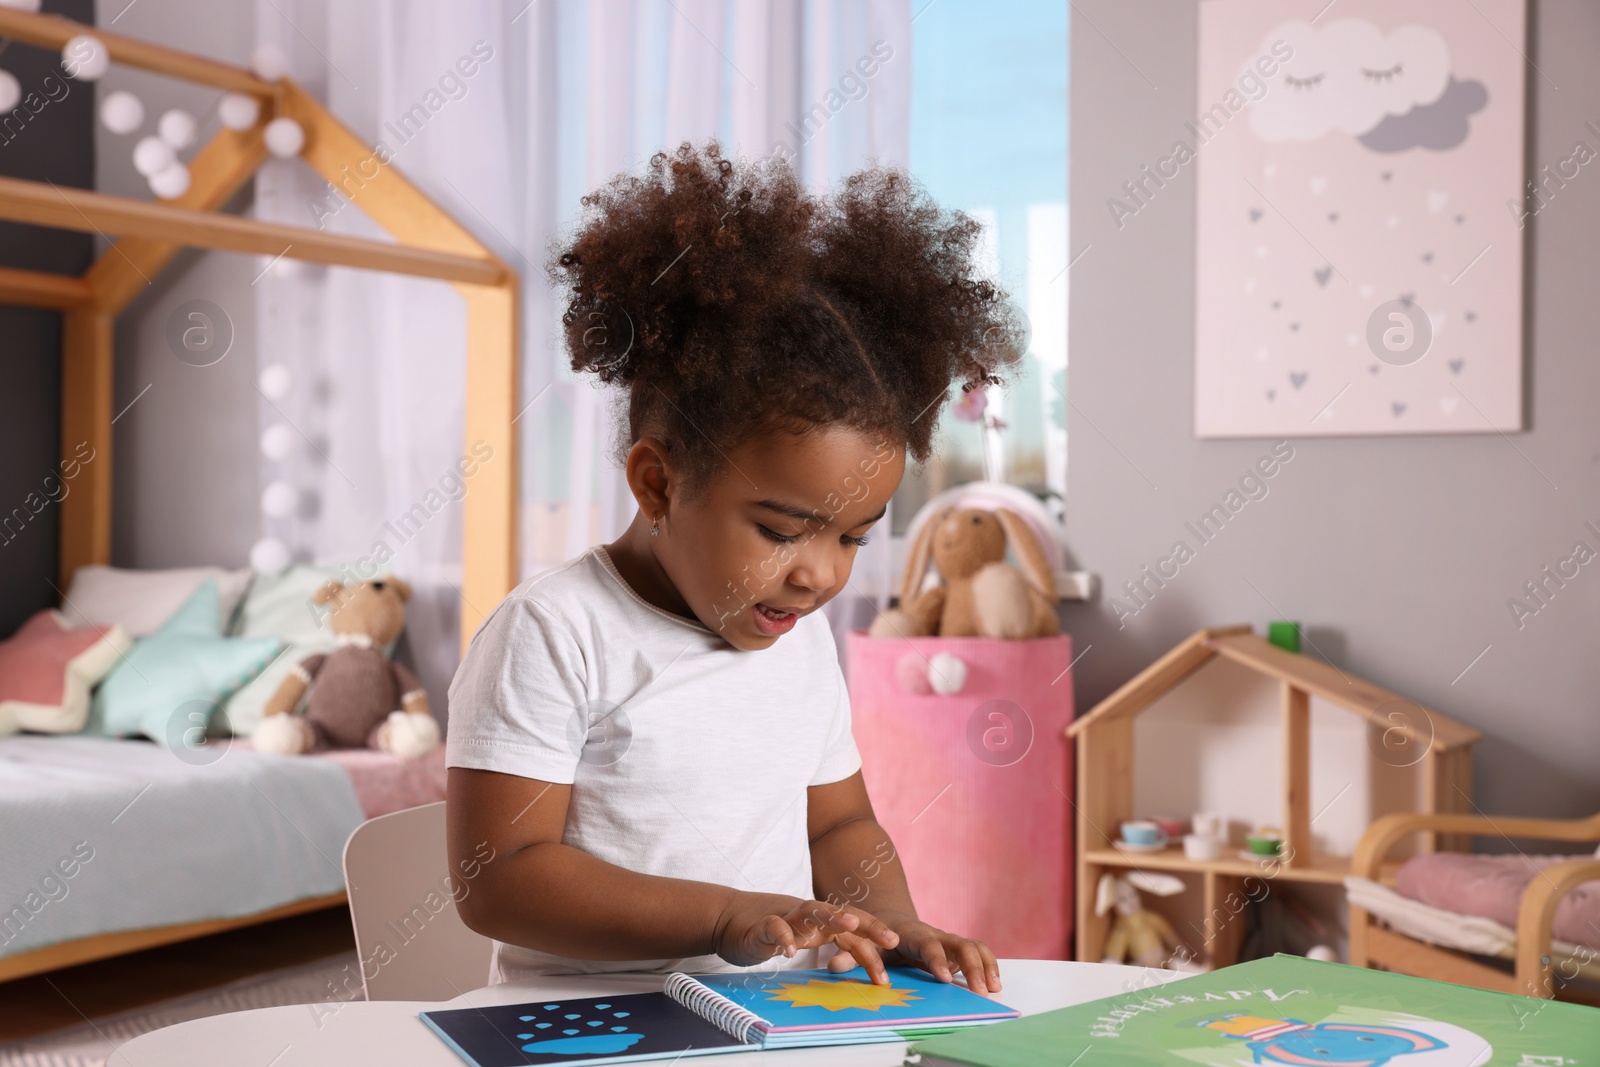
(1448, 929)
(98, 835)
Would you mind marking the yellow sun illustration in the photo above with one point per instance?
(837, 996)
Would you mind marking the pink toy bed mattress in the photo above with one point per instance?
(1492, 886)
(385, 783)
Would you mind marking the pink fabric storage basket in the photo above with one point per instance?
(974, 787)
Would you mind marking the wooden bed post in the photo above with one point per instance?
(377, 188)
(86, 381)
(488, 518)
(1297, 774)
(1452, 793)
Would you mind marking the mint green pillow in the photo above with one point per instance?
(280, 606)
(167, 685)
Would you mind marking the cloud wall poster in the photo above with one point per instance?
(1361, 202)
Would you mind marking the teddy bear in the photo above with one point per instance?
(358, 697)
(982, 594)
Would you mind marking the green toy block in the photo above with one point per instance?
(1286, 635)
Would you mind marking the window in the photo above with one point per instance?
(989, 137)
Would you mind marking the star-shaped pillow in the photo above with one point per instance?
(172, 680)
(47, 670)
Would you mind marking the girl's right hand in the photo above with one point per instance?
(754, 927)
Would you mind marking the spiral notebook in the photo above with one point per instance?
(701, 1015)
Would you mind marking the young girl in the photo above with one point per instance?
(651, 765)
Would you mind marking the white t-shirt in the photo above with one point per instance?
(687, 757)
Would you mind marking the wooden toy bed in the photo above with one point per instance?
(1442, 949)
(428, 244)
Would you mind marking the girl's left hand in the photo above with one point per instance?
(935, 951)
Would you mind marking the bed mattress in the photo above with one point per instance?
(1493, 885)
(385, 783)
(1448, 929)
(101, 834)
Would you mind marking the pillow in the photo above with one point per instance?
(47, 670)
(186, 667)
(142, 601)
(280, 605)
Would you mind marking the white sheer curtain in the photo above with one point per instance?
(563, 94)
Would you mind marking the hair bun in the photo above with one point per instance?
(742, 300)
(662, 261)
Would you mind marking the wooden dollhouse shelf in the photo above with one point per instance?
(1320, 869)
(1327, 869)
(1439, 758)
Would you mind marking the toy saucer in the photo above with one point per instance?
(1129, 846)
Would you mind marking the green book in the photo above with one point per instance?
(1287, 1010)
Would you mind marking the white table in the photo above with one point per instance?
(389, 1032)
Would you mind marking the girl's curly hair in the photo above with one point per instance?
(730, 302)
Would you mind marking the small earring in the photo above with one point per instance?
(655, 527)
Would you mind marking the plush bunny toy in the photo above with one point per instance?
(1137, 936)
(358, 697)
(982, 594)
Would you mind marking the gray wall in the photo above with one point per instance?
(186, 489)
(1398, 554)
(52, 145)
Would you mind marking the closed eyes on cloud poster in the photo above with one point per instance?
(1361, 206)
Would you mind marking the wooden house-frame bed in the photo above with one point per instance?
(428, 244)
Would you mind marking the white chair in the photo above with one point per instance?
(411, 943)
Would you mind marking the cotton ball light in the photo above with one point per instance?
(238, 111)
(85, 57)
(277, 441)
(269, 556)
(947, 673)
(121, 112)
(275, 381)
(171, 181)
(10, 90)
(21, 5)
(177, 128)
(269, 62)
(152, 155)
(279, 499)
(284, 138)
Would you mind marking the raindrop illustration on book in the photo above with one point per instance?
(585, 1045)
(573, 1041)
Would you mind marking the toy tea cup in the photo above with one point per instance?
(1209, 824)
(1200, 847)
(1264, 842)
(1171, 825)
(1143, 833)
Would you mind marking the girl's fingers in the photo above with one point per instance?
(842, 961)
(876, 930)
(776, 932)
(971, 962)
(864, 952)
(991, 967)
(932, 955)
(817, 922)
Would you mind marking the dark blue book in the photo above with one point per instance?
(701, 1015)
(621, 1029)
